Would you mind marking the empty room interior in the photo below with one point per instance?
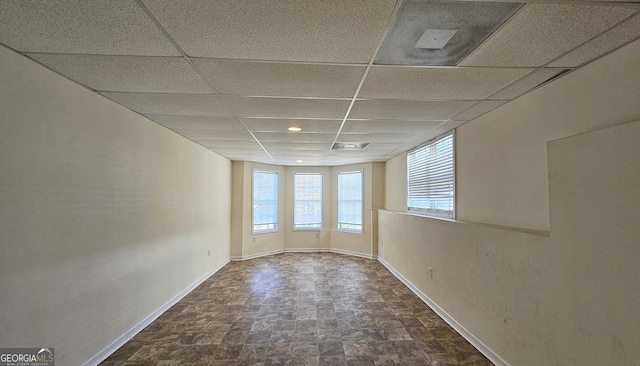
(336, 182)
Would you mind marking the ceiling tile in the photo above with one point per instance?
(294, 137)
(437, 83)
(294, 146)
(305, 154)
(470, 22)
(188, 104)
(236, 150)
(324, 31)
(306, 161)
(258, 156)
(281, 125)
(368, 126)
(216, 135)
(612, 39)
(407, 110)
(543, 32)
(244, 144)
(526, 83)
(250, 78)
(450, 125)
(183, 122)
(355, 156)
(374, 137)
(127, 73)
(287, 107)
(479, 109)
(385, 146)
(116, 27)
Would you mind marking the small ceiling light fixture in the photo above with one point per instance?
(294, 129)
(298, 161)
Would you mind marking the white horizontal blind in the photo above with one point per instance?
(431, 178)
(265, 201)
(350, 201)
(307, 201)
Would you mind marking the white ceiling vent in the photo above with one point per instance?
(435, 39)
(349, 145)
(441, 33)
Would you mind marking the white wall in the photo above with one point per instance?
(563, 298)
(104, 215)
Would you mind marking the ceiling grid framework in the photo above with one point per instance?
(232, 76)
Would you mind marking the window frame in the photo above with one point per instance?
(429, 212)
(255, 231)
(348, 230)
(293, 226)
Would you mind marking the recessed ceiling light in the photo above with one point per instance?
(298, 161)
(295, 129)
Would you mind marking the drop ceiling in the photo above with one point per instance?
(233, 76)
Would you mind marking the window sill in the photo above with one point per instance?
(264, 232)
(350, 231)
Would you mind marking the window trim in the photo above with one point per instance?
(424, 212)
(355, 231)
(293, 214)
(277, 223)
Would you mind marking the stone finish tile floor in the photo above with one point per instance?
(299, 309)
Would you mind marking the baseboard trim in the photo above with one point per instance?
(303, 250)
(307, 250)
(488, 352)
(355, 254)
(253, 256)
(120, 341)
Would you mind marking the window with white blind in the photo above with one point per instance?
(350, 201)
(431, 178)
(307, 201)
(265, 201)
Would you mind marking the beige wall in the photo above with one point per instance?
(558, 299)
(104, 215)
(595, 218)
(501, 157)
(237, 208)
(395, 196)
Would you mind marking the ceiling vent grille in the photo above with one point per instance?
(349, 145)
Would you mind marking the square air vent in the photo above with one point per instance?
(435, 39)
(349, 145)
(441, 33)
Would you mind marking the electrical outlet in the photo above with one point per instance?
(430, 272)
(317, 235)
(253, 239)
